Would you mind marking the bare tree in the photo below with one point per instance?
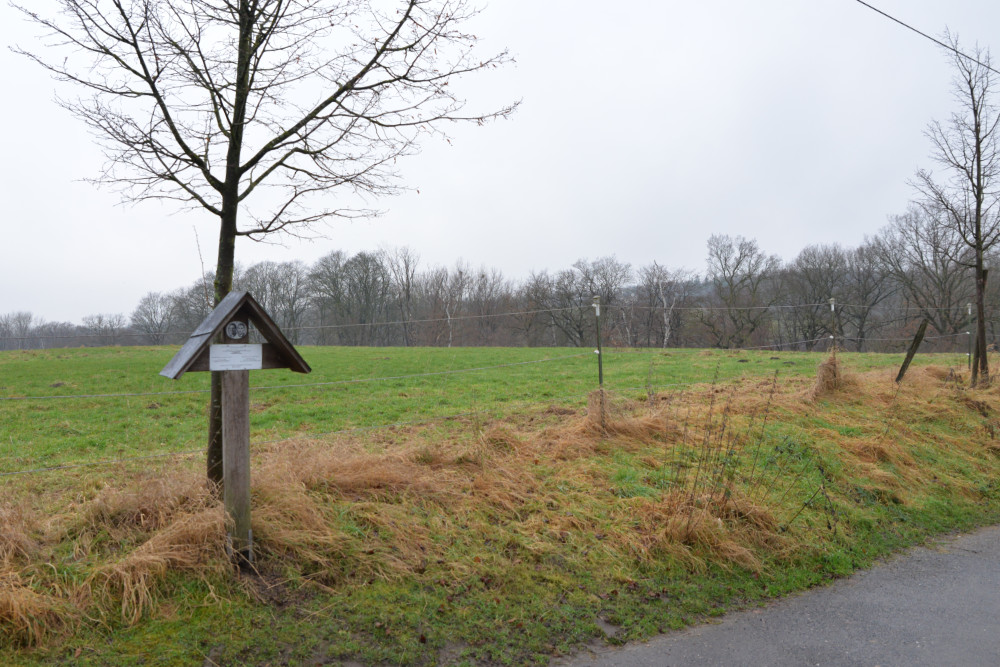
(569, 308)
(868, 285)
(534, 296)
(659, 292)
(402, 266)
(489, 295)
(104, 327)
(454, 295)
(928, 260)
(327, 286)
(154, 317)
(742, 278)
(192, 304)
(366, 296)
(18, 328)
(281, 288)
(968, 147)
(7, 340)
(818, 274)
(257, 106)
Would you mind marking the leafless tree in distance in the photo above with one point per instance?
(742, 277)
(929, 262)
(153, 316)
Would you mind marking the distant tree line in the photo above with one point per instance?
(915, 268)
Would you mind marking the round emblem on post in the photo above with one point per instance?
(236, 330)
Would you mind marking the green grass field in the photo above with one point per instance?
(56, 424)
(495, 524)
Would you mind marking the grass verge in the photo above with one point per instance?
(500, 540)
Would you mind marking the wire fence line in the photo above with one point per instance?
(456, 318)
(126, 332)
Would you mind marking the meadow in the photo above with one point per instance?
(466, 505)
(69, 406)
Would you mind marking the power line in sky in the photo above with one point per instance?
(926, 36)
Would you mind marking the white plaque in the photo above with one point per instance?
(235, 357)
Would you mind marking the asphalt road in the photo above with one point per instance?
(936, 605)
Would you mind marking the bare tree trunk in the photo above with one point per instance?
(668, 314)
(226, 261)
(980, 362)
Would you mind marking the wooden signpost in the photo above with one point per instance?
(232, 354)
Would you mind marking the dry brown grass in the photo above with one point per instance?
(347, 510)
(700, 529)
(27, 616)
(147, 502)
(190, 543)
(15, 541)
(831, 377)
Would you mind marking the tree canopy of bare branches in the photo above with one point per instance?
(967, 146)
(253, 110)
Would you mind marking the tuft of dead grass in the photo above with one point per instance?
(288, 523)
(26, 616)
(15, 540)
(351, 473)
(878, 450)
(146, 503)
(611, 415)
(191, 543)
(705, 528)
(831, 377)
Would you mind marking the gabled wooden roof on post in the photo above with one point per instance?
(238, 305)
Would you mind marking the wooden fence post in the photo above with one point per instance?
(600, 364)
(912, 351)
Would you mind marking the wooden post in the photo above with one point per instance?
(969, 333)
(912, 351)
(833, 323)
(236, 460)
(236, 449)
(600, 363)
(600, 355)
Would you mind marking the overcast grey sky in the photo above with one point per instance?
(646, 126)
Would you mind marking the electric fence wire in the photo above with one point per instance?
(948, 47)
(837, 305)
(897, 340)
(164, 334)
(460, 318)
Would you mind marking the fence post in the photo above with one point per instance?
(833, 322)
(600, 363)
(600, 354)
(969, 334)
(913, 350)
